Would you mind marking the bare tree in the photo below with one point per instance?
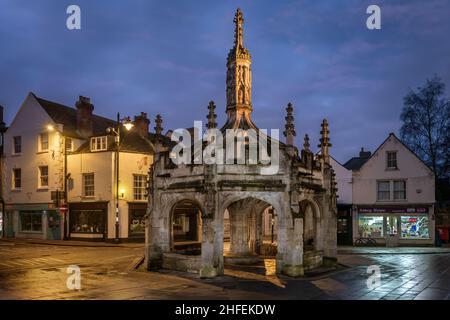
(426, 125)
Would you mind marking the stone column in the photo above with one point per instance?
(293, 259)
(207, 269)
(239, 231)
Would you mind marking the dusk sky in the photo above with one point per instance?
(169, 57)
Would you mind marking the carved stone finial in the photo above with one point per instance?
(158, 122)
(211, 116)
(325, 141)
(306, 144)
(238, 31)
(289, 133)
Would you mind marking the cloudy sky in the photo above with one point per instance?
(169, 57)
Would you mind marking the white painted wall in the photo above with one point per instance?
(344, 182)
(419, 178)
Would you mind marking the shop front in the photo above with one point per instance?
(88, 220)
(32, 221)
(395, 226)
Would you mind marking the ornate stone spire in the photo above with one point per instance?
(289, 133)
(211, 116)
(158, 122)
(325, 141)
(306, 144)
(239, 78)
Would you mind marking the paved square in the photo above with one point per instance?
(39, 271)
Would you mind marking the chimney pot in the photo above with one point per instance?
(84, 116)
(141, 122)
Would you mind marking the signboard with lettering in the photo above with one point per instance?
(393, 210)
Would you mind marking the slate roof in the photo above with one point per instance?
(67, 116)
(355, 163)
(131, 141)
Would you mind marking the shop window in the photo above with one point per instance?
(370, 226)
(415, 227)
(87, 221)
(88, 185)
(139, 187)
(17, 145)
(383, 190)
(43, 177)
(137, 222)
(17, 178)
(400, 190)
(43, 141)
(391, 157)
(30, 221)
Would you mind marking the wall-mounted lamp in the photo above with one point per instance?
(50, 127)
(122, 193)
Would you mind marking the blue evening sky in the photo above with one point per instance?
(169, 57)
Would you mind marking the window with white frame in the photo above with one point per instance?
(69, 144)
(139, 186)
(383, 190)
(98, 143)
(17, 178)
(43, 141)
(391, 160)
(400, 190)
(88, 185)
(391, 190)
(17, 145)
(43, 176)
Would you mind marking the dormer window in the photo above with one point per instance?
(391, 157)
(98, 143)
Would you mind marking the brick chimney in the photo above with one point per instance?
(364, 154)
(84, 116)
(141, 123)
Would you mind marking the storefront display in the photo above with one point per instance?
(415, 227)
(395, 223)
(370, 226)
(30, 221)
(87, 221)
(136, 220)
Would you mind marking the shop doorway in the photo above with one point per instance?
(344, 226)
(9, 225)
(53, 225)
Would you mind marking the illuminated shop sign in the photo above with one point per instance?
(394, 210)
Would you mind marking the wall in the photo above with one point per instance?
(102, 164)
(416, 174)
(344, 182)
(31, 158)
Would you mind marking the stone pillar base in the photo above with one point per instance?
(330, 262)
(208, 272)
(293, 271)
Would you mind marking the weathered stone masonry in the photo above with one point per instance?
(302, 194)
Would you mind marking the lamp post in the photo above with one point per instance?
(128, 124)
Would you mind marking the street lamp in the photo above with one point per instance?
(128, 124)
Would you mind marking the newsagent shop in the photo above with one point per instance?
(394, 226)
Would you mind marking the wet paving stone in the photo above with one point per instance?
(105, 275)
